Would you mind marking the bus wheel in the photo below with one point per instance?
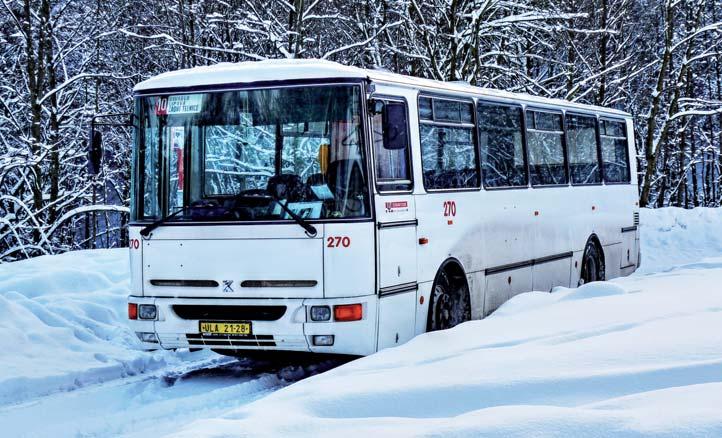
(592, 264)
(449, 304)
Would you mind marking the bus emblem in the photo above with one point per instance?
(227, 285)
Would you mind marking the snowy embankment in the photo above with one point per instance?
(62, 320)
(638, 356)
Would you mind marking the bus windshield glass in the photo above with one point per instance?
(236, 155)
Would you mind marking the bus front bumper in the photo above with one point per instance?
(177, 324)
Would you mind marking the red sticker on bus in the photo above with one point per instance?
(396, 206)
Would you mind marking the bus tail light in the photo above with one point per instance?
(132, 311)
(348, 312)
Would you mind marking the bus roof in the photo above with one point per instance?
(278, 70)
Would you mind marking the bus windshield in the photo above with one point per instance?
(236, 155)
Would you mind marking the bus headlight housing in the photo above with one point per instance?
(147, 311)
(320, 313)
(323, 340)
(147, 337)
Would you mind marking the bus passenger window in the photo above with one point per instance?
(448, 151)
(391, 147)
(503, 163)
(546, 148)
(582, 147)
(614, 151)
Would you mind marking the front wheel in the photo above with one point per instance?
(592, 265)
(449, 305)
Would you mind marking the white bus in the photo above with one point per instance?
(310, 206)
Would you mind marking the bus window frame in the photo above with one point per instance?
(599, 146)
(473, 125)
(600, 119)
(409, 154)
(364, 126)
(560, 111)
(485, 101)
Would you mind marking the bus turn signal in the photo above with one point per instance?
(132, 311)
(348, 312)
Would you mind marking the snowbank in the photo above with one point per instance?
(639, 356)
(674, 236)
(62, 320)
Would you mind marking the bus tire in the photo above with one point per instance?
(449, 303)
(592, 263)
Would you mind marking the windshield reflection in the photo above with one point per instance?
(237, 155)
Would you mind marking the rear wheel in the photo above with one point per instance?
(449, 305)
(592, 264)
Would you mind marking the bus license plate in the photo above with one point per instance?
(225, 328)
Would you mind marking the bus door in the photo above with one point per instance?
(396, 222)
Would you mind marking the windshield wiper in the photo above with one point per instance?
(145, 232)
(311, 231)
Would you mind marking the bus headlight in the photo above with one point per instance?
(147, 311)
(323, 340)
(320, 313)
(147, 337)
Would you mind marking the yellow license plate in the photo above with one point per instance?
(226, 328)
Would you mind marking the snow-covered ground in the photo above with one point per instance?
(636, 356)
(69, 364)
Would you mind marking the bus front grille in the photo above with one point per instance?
(229, 312)
(196, 339)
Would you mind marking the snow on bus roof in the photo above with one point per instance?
(293, 69)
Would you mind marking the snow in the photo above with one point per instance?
(69, 358)
(637, 356)
(271, 70)
(251, 71)
(63, 324)
(673, 236)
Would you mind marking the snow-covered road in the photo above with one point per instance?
(158, 402)
(636, 356)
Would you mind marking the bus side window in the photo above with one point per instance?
(582, 148)
(448, 148)
(502, 145)
(391, 147)
(545, 146)
(614, 151)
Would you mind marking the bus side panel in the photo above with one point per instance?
(452, 223)
(503, 285)
(392, 309)
(508, 222)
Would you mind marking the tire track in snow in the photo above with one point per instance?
(158, 402)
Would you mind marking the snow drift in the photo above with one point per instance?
(636, 356)
(639, 356)
(62, 320)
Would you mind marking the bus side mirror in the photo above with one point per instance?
(95, 150)
(395, 126)
(376, 106)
